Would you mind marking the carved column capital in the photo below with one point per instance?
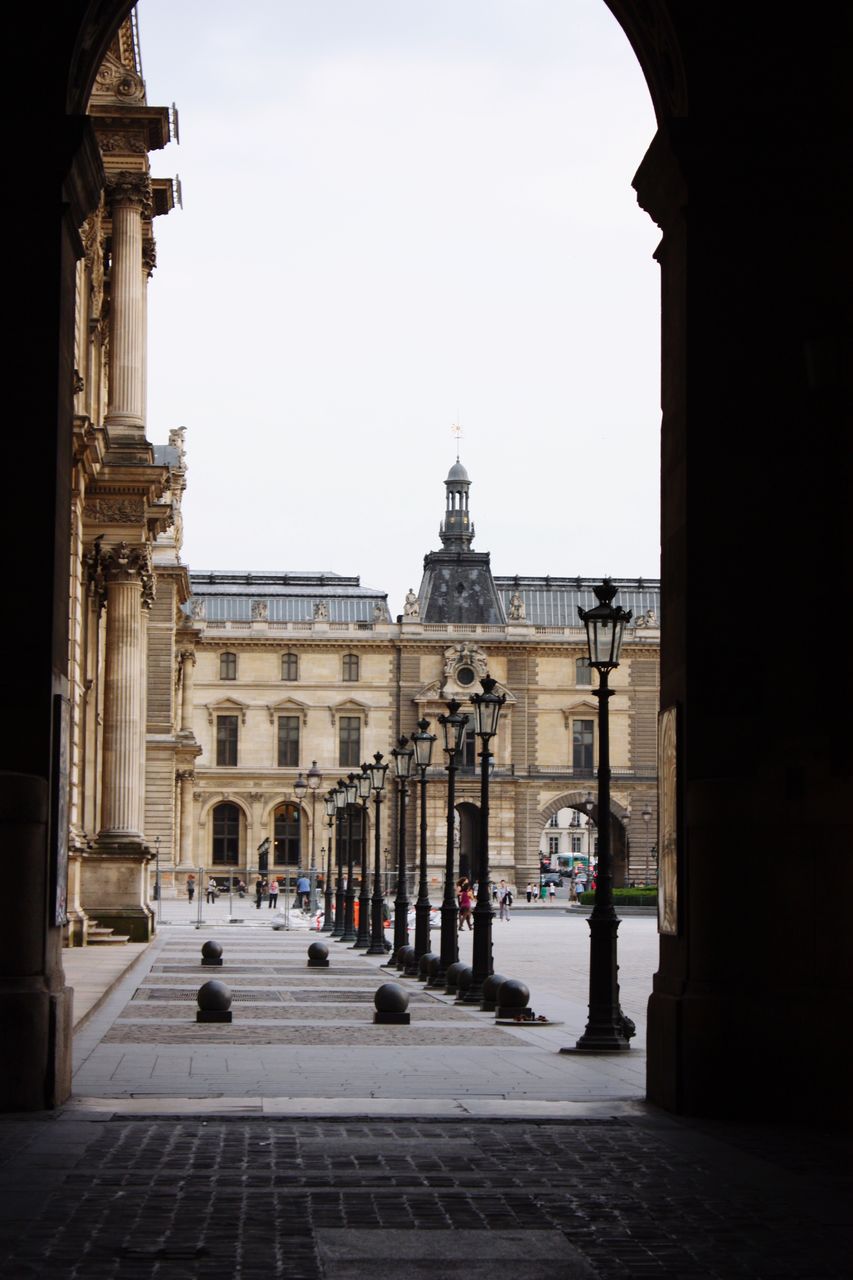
(185, 775)
(188, 655)
(132, 189)
(149, 257)
(126, 563)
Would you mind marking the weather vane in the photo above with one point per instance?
(457, 431)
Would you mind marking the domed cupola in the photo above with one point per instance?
(457, 531)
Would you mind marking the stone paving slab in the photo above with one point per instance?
(365, 1033)
(172, 1010)
(618, 1196)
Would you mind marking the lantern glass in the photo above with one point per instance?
(330, 806)
(423, 743)
(605, 628)
(315, 777)
(351, 789)
(454, 728)
(340, 794)
(487, 708)
(402, 754)
(377, 772)
(364, 783)
(300, 786)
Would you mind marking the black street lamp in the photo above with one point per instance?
(377, 907)
(350, 790)
(362, 942)
(315, 781)
(339, 795)
(487, 709)
(589, 805)
(423, 743)
(606, 1029)
(626, 819)
(453, 727)
(402, 754)
(331, 809)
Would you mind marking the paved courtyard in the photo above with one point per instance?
(303, 1141)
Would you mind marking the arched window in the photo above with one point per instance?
(288, 836)
(226, 835)
(227, 666)
(289, 666)
(350, 666)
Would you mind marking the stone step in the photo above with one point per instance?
(100, 935)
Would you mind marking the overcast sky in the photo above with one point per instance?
(401, 214)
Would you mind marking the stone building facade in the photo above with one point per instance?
(292, 669)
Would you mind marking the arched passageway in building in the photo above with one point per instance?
(756, 336)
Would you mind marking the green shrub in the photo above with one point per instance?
(624, 897)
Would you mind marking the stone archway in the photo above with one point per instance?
(575, 800)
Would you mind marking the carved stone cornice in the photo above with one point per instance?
(117, 83)
(149, 256)
(130, 187)
(119, 509)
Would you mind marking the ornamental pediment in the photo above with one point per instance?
(285, 706)
(582, 706)
(350, 707)
(439, 691)
(226, 706)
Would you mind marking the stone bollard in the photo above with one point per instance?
(318, 956)
(405, 956)
(424, 965)
(392, 1004)
(512, 1001)
(490, 992)
(211, 953)
(463, 981)
(214, 1003)
(451, 977)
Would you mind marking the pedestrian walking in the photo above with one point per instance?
(552, 893)
(303, 890)
(466, 902)
(211, 890)
(504, 900)
(241, 888)
(273, 899)
(259, 891)
(529, 893)
(190, 887)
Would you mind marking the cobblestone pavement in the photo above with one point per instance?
(608, 1197)
(302, 1141)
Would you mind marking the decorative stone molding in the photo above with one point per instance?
(117, 82)
(185, 775)
(224, 707)
(122, 143)
(288, 704)
(585, 705)
(350, 707)
(465, 655)
(260, 611)
(120, 510)
(411, 607)
(128, 187)
(149, 256)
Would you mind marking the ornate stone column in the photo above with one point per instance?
(188, 661)
(185, 779)
(114, 887)
(129, 195)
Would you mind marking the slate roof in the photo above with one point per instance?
(553, 602)
(290, 597)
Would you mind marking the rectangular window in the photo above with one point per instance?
(227, 666)
(226, 740)
(288, 741)
(470, 751)
(582, 742)
(576, 844)
(553, 846)
(350, 741)
(583, 671)
(289, 666)
(350, 666)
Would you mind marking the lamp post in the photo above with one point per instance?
(589, 804)
(487, 709)
(626, 820)
(606, 1027)
(646, 815)
(340, 797)
(423, 742)
(362, 942)
(377, 906)
(402, 754)
(453, 727)
(350, 791)
(315, 780)
(331, 809)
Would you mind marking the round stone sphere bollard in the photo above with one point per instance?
(392, 1005)
(451, 977)
(424, 964)
(211, 953)
(214, 1002)
(512, 1000)
(490, 992)
(463, 982)
(404, 957)
(318, 956)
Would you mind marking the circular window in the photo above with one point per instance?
(465, 676)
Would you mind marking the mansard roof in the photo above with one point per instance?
(229, 594)
(553, 602)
